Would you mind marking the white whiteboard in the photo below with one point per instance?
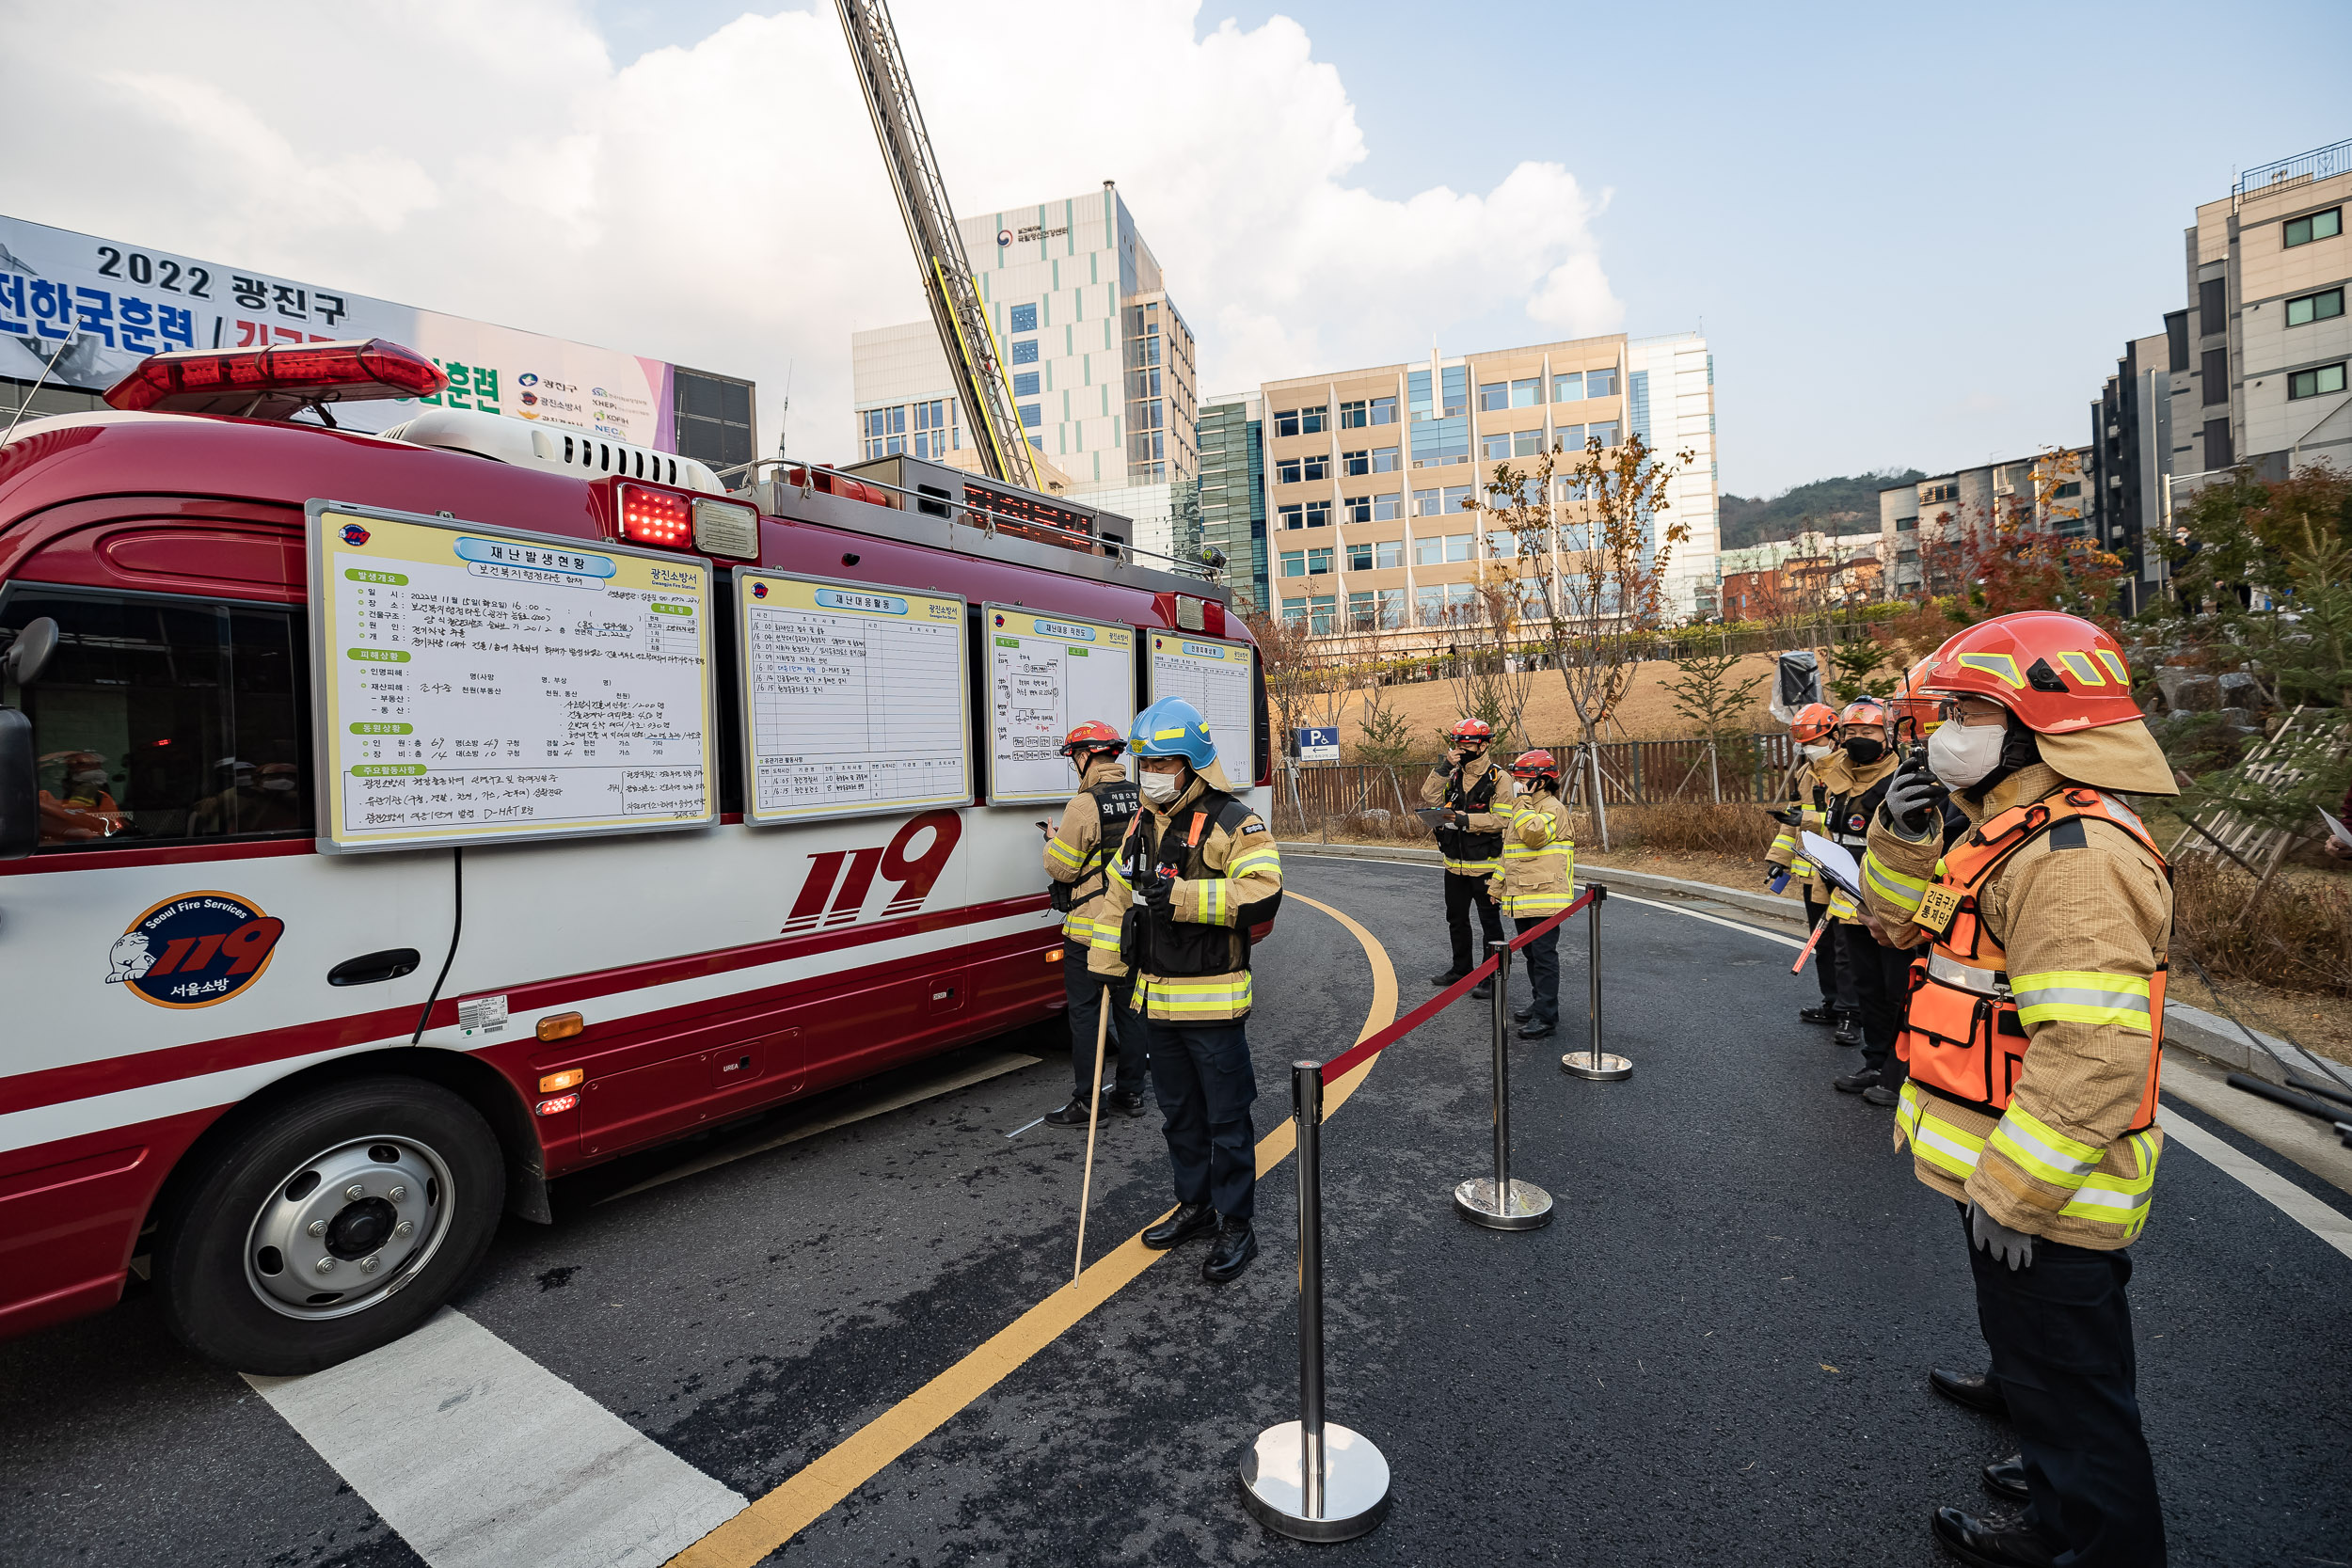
(1046, 675)
(1215, 677)
(852, 697)
(479, 683)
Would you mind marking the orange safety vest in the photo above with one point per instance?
(1962, 1033)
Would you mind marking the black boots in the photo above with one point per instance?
(1822, 1014)
(1231, 1253)
(1127, 1102)
(1189, 1220)
(1534, 1029)
(1976, 1390)
(1854, 1082)
(1073, 1115)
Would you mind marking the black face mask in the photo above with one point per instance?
(1865, 749)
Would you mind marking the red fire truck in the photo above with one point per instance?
(269, 1078)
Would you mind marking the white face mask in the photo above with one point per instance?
(1959, 754)
(1817, 750)
(1161, 788)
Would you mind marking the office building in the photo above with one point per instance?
(1101, 361)
(1232, 492)
(1368, 469)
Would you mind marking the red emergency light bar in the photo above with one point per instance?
(656, 516)
(274, 383)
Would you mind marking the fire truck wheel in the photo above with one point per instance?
(329, 1226)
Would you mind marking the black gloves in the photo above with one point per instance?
(1160, 890)
(1911, 799)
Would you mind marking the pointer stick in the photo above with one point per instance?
(1101, 1027)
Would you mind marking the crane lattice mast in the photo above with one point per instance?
(957, 310)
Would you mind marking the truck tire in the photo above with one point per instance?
(329, 1226)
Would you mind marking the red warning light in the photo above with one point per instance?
(657, 518)
(561, 1102)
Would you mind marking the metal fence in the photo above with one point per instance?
(1381, 798)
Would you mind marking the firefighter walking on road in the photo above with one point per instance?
(1196, 873)
(1537, 883)
(1813, 780)
(1474, 797)
(2034, 1039)
(1076, 858)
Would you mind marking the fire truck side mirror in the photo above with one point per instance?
(20, 787)
(28, 655)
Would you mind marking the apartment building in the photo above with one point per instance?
(1368, 471)
(2043, 492)
(2130, 467)
(1232, 492)
(1809, 574)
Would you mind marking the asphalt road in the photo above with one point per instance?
(1716, 1353)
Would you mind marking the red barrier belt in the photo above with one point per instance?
(1341, 1064)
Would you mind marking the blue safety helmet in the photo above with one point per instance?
(1172, 727)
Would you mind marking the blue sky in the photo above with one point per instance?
(1914, 234)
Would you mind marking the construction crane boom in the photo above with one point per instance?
(957, 310)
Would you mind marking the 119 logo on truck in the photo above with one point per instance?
(385, 833)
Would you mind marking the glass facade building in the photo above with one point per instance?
(1233, 494)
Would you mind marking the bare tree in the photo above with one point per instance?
(1594, 584)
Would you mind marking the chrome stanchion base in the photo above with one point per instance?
(1607, 1068)
(1531, 1206)
(1354, 1484)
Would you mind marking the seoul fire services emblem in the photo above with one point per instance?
(194, 950)
(354, 536)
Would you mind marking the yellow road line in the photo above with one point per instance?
(808, 1496)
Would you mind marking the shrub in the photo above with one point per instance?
(2297, 938)
(1694, 828)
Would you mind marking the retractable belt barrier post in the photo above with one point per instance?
(1311, 1479)
(1593, 1062)
(1497, 1201)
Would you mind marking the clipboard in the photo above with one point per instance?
(2341, 833)
(1836, 864)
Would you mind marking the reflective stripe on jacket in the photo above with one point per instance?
(2034, 1034)
(1075, 853)
(1483, 792)
(1538, 857)
(1194, 965)
(1809, 800)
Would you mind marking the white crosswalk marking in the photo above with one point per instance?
(481, 1458)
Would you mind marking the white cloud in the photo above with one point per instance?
(722, 204)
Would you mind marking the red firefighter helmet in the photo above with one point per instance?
(1911, 705)
(1813, 722)
(1537, 763)
(1473, 729)
(1864, 710)
(1094, 736)
(2058, 673)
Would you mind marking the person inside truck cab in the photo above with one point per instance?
(76, 806)
(260, 799)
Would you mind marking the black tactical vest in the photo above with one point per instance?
(1115, 802)
(1171, 949)
(1460, 843)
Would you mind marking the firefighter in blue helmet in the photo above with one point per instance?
(1195, 873)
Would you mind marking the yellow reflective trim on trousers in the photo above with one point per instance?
(2045, 1155)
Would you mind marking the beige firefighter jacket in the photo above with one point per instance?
(1539, 858)
(1242, 870)
(1078, 836)
(1787, 848)
(2073, 923)
(1433, 793)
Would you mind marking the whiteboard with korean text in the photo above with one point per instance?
(1218, 679)
(853, 698)
(476, 683)
(1046, 675)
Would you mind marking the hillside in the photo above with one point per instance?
(1842, 506)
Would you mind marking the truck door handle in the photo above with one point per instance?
(370, 968)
